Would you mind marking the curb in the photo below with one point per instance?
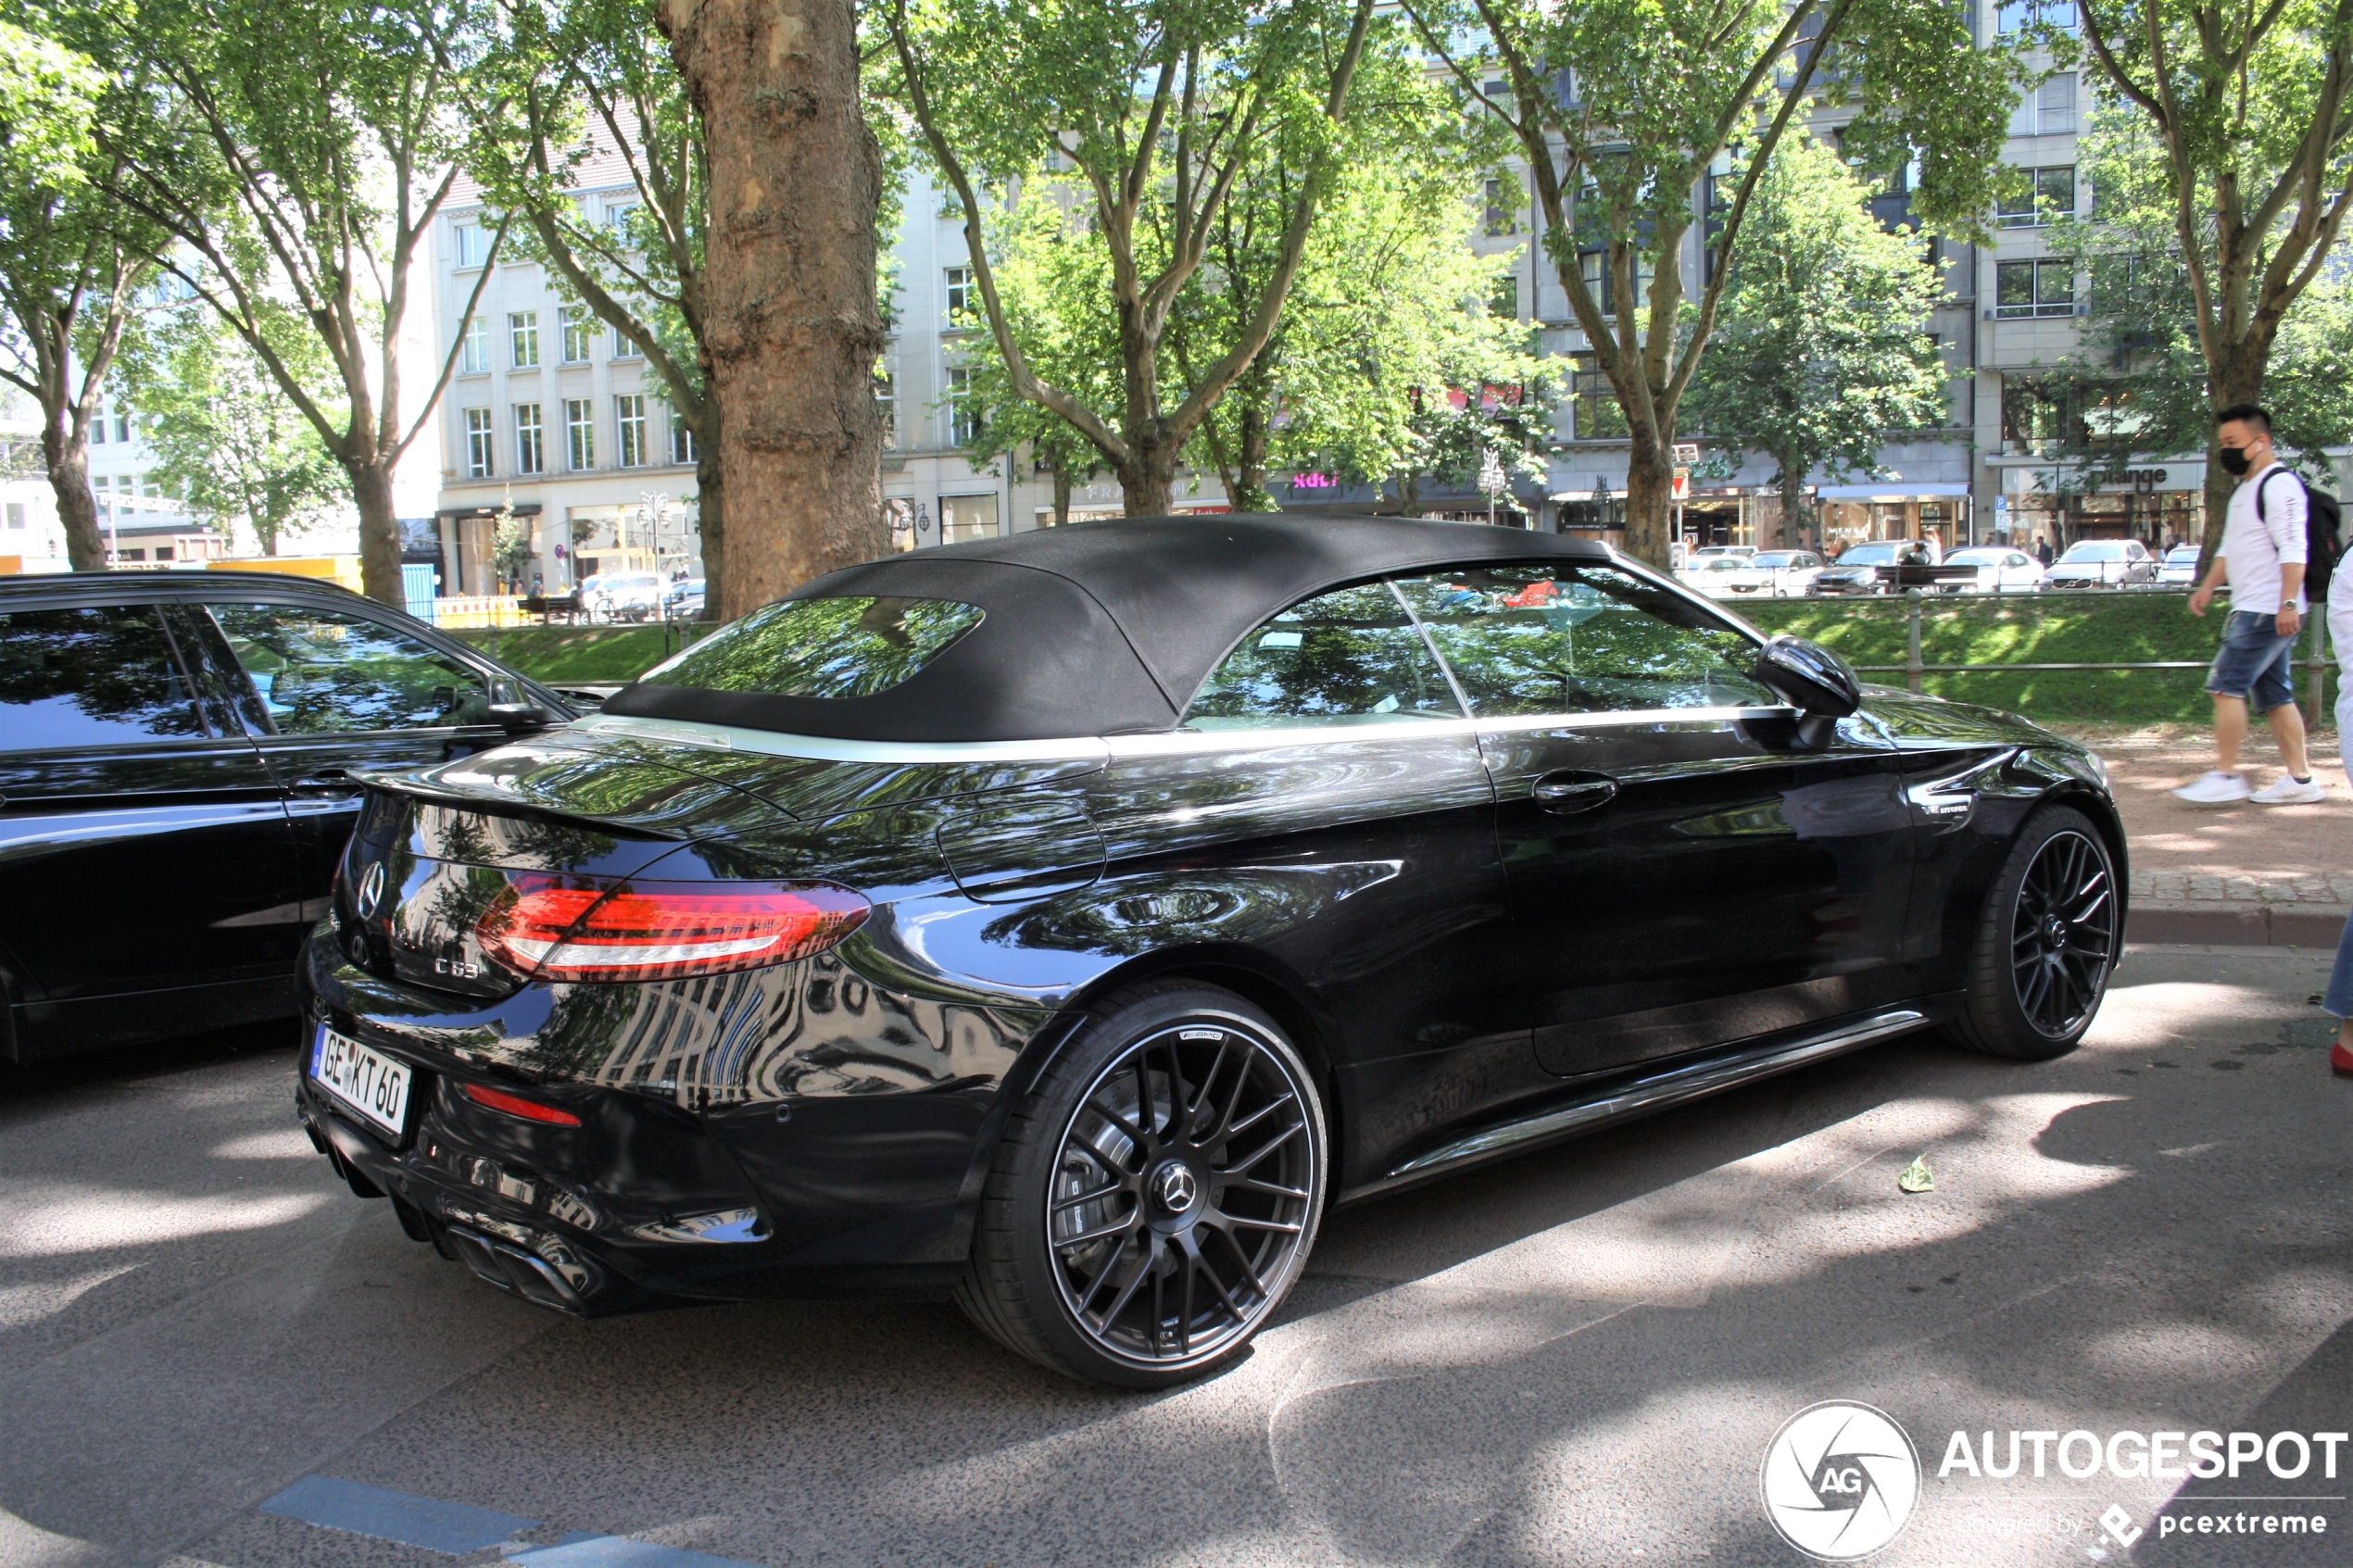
(2235, 925)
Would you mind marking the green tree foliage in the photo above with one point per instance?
(324, 138)
(2240, 153)
(1388, 364)
(1625, 111)
(225, 438)
(1154, 112)
(1819, 350)
(71, 260)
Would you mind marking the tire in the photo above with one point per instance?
(2046, 944)
(1145, 1249)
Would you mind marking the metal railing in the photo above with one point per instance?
(1914, 667)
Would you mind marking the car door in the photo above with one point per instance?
(147, 875)
(335, 689)
(1681, 873)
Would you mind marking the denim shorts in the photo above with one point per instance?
(2254, 661)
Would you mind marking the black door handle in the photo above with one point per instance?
(326, 780)
(1563, 794)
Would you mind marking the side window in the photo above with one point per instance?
(1543, 639)
(1348, 658)
(98, 676)
(322, 672)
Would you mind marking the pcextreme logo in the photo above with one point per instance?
(1840, 1480)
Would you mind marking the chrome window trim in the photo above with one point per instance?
(825, 748)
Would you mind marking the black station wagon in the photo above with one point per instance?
(1065, 922)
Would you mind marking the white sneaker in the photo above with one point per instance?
(2287, 792)
(2215, 789)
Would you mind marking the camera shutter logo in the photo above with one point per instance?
(1840, 1480)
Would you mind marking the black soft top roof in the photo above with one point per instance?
(1097, 628)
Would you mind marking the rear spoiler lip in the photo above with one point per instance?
(411, 781)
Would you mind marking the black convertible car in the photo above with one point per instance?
(1066, 922)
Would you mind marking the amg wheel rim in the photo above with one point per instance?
(2063, 934)
(1182, 1193)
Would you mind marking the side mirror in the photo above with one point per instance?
(1816, 681)
(520, 718)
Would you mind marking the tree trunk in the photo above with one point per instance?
(792, 328)
(1650, 491)
(1794, 519)
(1061, 493)
(1147, 481)
(379, 533)
(1252, 497)
(67, 456)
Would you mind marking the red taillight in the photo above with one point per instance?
(587, 928)
(515, 1104)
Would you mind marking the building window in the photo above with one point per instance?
(580, 334)
(1593, 405)
(473, 347)
(1500, 217)
(1505, 301)
(2017, 16)
(98, 429)
(121, 423)
(682, 438)
(522, 335)
(960, 297)
(2049, 195)
(580, 433)
(1594, 266)
(617, 219)
(474, 250)
(2035, 288)
(886, 407)
(478, 440)
(2049, 110)
(622, 347)
(964, 420)
(629, 416)
(16, 514)
(531, 455)
(163, 552)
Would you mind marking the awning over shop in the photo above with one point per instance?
(460, 514)
(1891, 491)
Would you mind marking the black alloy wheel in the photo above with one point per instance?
(2062, 932)
(2048, 941)
(1156, 1196)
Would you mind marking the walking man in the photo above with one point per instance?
(2263, 559)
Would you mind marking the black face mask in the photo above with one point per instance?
(2234, 461)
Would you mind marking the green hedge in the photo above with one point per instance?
(586, 654)
(1972, 630)
(1996, 629)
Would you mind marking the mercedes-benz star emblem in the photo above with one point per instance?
(372, 890)
(1176, 1182)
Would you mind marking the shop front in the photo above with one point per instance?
(1854, 514)
(2159, 504)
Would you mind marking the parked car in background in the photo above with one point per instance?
(1770, 574)
(1064, 923)
(2000, 569)
(623, 596)
(1890, 566)
(179, 753)
(2103, 563)
(683, 600)
(2178, 568)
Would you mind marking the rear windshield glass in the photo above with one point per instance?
(850, 647)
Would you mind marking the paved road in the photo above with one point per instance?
(211, 1354)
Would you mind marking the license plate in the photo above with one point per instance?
(374, 1085)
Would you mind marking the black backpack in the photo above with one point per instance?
(2322, 548)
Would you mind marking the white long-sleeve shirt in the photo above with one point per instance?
(2256, 547)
